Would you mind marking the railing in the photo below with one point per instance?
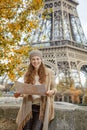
(60, 43)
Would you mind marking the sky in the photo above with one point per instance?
(82, 12)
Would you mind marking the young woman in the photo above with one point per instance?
(37, 111)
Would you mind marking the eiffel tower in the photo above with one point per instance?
(62, 40)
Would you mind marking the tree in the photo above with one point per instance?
(18, 18)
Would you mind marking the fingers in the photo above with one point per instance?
(50, 93)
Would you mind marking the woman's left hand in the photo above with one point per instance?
(50, 92)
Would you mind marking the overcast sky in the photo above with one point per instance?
(82, 11)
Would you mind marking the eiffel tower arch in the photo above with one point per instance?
(62, 40)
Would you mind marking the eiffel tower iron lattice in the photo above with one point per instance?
(62, 41)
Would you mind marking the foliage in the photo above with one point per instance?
(63, 86)
(0, 93)
(85, 99)
(18, 18)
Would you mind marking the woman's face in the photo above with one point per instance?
(36, 61)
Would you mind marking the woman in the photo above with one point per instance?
(37, 111)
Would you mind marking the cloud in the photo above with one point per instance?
(82, 9)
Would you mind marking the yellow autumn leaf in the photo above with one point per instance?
(15, 27)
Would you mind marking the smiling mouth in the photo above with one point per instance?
(35, 64)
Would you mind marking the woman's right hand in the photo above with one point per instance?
(17, 95)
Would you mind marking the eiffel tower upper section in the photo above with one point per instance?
(62, 24)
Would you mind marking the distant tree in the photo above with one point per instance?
(18, 18)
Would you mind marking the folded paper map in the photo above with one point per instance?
(24, 88)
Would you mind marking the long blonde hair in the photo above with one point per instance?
(30, 74)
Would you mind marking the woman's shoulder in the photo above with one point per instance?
(48, 70)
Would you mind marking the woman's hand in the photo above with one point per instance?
(17, 95)
(50, 92)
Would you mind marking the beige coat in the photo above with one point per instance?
(46, 105)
